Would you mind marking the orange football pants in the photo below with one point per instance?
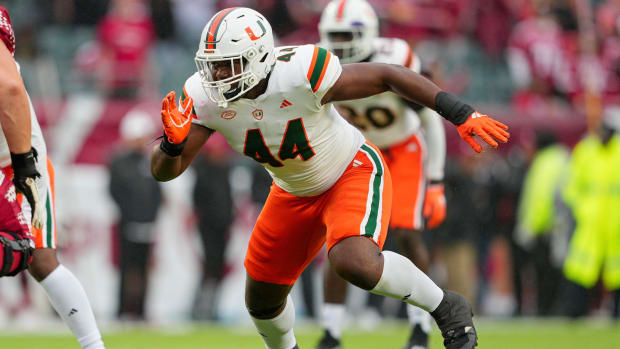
(291, 230)
(406, 163)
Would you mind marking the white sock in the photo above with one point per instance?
(401, 279)
(278, 332)
(419, 316)
(69, 299)
(332, 318)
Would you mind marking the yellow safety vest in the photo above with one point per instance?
(593, 192)
(543, 179)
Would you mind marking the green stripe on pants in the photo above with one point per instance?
(371, 224)
(49, 227)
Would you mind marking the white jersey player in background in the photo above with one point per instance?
(412, 140)
(331, 186)
(63, 289)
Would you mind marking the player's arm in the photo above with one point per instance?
(165, 167)
(435, 136)
(362, 80)
(181, 141)
(15, 121)
(434, 200)
(14, 106)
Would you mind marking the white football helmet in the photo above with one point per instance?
(354, 18)
(236, 36)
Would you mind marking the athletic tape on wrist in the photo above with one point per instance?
(453, 110)
(170, 148)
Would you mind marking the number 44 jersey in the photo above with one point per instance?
(304, 145)
(385, 119)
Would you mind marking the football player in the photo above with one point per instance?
(330, 184)
(26, 162)
(412, 140)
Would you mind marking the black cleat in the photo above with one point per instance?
(296, 346)
(418, 339)
(454, 318)
(328, 342)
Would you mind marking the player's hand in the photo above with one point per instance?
(177, 121)
(434, 205)
(24, 175)
(485, 127)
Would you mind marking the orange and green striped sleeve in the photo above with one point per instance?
(324, 70)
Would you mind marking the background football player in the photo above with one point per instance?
(412, 140)
(330, 184)
(30, 164)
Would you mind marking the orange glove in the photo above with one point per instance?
(434, 206)
(177, 121)
(485, 127)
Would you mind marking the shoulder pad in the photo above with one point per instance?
(396, 51)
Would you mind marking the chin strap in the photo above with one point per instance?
(230, 94)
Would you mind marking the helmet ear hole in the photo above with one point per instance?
(262, 60)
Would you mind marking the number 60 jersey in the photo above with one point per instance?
(304, 145)
(385, 119)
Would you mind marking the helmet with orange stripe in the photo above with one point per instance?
(348, 28)
(240, 39)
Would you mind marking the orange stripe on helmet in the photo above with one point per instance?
(340, 9)
(215, 25)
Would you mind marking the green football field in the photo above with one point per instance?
(501, 334)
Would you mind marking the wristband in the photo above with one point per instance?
(453, 110)
(171, 149)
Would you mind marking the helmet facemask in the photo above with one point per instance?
(347, 45)
(242, 78)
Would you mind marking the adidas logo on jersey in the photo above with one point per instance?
(285, 104)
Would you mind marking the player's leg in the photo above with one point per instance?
(287, 236)
(615, 314)
(333, 308)
(406, 164)
(63, 289)
(133, 271)
(357, 216)
(272, 311)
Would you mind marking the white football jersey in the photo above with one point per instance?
(385, 119)
(304, 145)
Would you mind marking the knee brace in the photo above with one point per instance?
(15, 253)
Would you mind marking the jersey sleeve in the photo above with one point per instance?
(193, 88)
(6, 30)
(322, 69)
